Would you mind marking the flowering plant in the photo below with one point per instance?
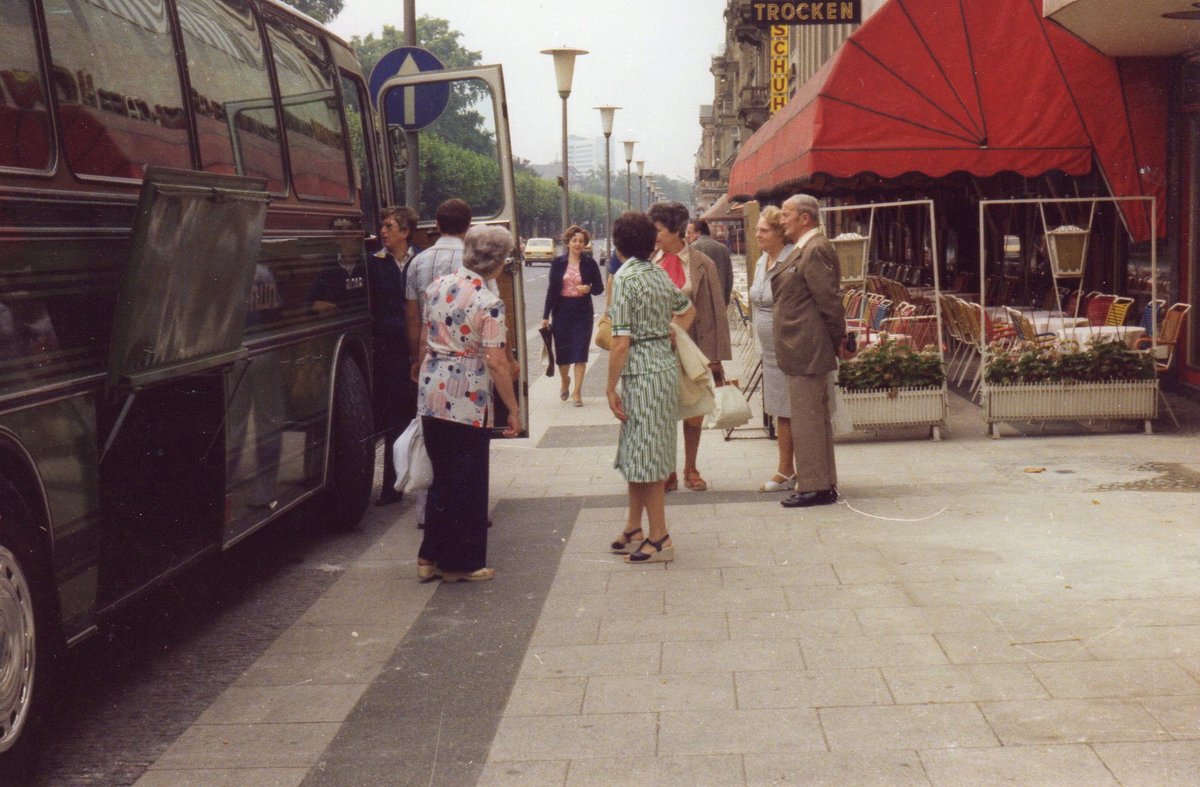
(1103, 360)
(891, 364)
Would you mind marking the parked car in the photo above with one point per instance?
(539, 250)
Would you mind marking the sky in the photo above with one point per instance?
(649, 57)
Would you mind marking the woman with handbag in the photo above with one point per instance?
(775, 247)
(574, 279)
(696, 275)
(464, 339)
(646, 309)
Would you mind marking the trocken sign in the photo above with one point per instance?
(790, 12)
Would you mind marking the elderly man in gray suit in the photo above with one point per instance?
(810, 328)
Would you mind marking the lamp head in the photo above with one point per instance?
(629, 143)
(641, 165)
(564, 67)
(606, 118)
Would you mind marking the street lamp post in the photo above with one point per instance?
(564, 70)
(641, 171)
(629, 143)
(606, 122)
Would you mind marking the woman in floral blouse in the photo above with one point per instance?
(465, 355)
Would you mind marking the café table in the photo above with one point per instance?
(1087, 334)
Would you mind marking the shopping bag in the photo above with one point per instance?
(414, 471)
(604, 333)
(695, 378)
(730, 409)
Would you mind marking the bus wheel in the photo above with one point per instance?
(351, 449)
(26, 637)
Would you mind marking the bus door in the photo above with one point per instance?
(462, 151)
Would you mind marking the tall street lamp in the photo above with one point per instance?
(641, 170)
(629, 143)
(564, 70)
(651, 191)
(606, 121)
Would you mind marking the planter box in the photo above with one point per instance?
(1128, 400)
(898, 407)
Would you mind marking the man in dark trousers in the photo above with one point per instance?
(698, 237)
(810, 329)
(395, 392)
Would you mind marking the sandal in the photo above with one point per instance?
(478, 575)
(693, 481)
(778, 483)
(427, 572)
(660, 554)
(671, 484)
(630, 544)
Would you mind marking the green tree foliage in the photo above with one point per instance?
(320, 10)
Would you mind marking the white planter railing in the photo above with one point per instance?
(1112, 401)
(898, 407)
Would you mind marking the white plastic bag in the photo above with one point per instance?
(414, 471)
(730, 409)
(695, 378)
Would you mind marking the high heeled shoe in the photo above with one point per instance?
(427, 572)
(671, 484)
(478, 575)
(772, 485)
(630, 544)
(660, 554)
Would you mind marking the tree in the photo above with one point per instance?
(321, 10)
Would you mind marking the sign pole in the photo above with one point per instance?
(412, 140)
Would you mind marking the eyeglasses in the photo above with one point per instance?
(391, 225)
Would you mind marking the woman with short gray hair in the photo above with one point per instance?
(463, 337)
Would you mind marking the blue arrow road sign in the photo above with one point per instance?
(413, 106)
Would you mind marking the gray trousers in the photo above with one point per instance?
(812, 432)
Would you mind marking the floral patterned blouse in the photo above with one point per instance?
(462, 317)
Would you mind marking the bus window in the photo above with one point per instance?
(359, 125)
(315, 135)
(24, 132)
(231, 91)
(118, 87)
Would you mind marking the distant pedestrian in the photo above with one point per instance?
(574, 279)
(810, 328)
(464, 358)
(646, 308)
(699, 238)
(775, 248)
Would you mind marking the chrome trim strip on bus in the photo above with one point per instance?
(149, 585)
(333, 381)
(54, 392)
(243, 535)
(81, 636)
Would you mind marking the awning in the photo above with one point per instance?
(723, 209)
(942, 86)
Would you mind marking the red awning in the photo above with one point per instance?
(942, 86)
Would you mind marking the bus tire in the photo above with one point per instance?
(351, 449)
(28, 639)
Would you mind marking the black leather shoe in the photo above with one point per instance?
(804, 499)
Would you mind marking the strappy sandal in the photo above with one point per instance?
(693, 481)
(629, 545)
(671, 484)
(660, 554)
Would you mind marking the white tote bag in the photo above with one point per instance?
(414, 471)
(730, 409)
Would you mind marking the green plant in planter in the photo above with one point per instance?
(1104, 360)
(890, 364)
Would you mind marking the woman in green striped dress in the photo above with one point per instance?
(645, 306)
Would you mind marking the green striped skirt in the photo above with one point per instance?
(646, 449)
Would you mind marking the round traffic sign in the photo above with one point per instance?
(411, 107)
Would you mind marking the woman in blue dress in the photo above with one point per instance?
(574, 279)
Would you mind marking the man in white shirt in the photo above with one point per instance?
(453, 219)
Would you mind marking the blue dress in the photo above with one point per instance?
(572, 318)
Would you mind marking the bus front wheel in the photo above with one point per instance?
(25, 640)
(351, 449)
